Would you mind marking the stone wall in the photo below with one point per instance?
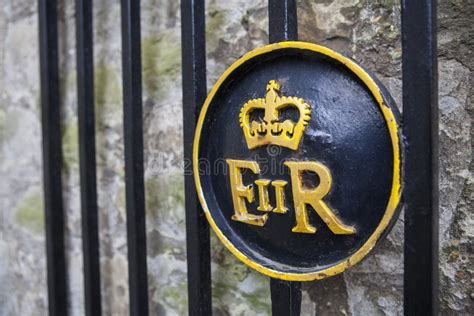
(366, 30)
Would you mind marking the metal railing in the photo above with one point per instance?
(420, 131)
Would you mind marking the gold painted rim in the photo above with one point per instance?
(396, 184)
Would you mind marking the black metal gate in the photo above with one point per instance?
(420, 131)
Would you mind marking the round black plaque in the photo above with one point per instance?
(297, 161)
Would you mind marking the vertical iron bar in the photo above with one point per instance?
(286, 298)
(283, 26)
(420, 117)
(133, 141)
(85, 107)
(282, 20)
(52, 157)
(194, 94)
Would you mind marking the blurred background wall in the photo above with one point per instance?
(366, 30)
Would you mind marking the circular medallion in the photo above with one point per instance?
(297, 161)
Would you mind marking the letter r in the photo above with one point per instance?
(314, 197)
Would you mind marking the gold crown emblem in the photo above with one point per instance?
(269, 129)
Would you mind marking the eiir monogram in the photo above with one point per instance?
(270, 130)
(302, 197)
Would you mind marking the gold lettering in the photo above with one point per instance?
(264, 204)
(280, 196)
(241, 192)
(313, 197)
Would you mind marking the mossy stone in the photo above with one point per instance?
(30, 215)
